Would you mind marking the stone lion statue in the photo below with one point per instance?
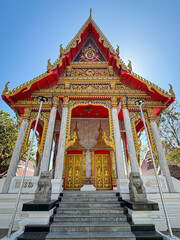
(44, 188)
(136, 189)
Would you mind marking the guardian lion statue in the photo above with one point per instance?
(44, 188)
(136, 189)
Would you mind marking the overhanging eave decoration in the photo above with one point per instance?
(67, 55)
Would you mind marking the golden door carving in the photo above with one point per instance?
(73, 176)
(102, 172)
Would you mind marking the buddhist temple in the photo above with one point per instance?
(88, 129)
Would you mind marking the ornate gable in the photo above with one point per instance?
(89, 53)
(89, 63)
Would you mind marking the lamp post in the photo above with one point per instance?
(41, 99)
(139, 103)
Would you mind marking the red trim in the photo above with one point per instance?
(101, 152)
(74, 152)
(24, 93)
(94, 112)
(139, 126)
(127, 154)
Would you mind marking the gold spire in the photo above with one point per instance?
(74, 143)
(101, 144)
(90, 17)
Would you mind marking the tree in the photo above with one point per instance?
(9, 128)
(169, 127)
(8, 134)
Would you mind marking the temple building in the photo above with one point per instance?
(88, 129)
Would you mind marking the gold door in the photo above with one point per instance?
(73, 174)
(102, 172)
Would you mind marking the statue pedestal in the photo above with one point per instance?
(88, 188)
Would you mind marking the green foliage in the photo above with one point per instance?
(8, 134)
(169, 127)
(9, 128)
(143, 145)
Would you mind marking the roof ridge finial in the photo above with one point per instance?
(90, 16)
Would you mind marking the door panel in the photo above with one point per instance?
(73, 175)
(102, 172)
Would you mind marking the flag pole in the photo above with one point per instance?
(42, 99)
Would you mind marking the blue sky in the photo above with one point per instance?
(147, 32)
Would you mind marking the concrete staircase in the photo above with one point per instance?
(90, 216)
(85, 216)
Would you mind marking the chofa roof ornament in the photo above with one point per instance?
(90, 16)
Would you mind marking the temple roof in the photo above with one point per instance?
(125, 73)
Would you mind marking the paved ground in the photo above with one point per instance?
(176, 232)
(3, 232)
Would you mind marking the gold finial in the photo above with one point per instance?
(49, 64)
(61, 49)
(6, 89)
(90, 17)
(117, 49)
(130, 65)
(171, 90)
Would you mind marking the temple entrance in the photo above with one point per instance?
(103, 179)
(89, 149)
(73, 175)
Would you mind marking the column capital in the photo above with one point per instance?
(123, 103)
(114, 102)
(26, 115)
(65, 102)
(55, 101)
(150, 114)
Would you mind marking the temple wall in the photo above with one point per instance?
(89, 130)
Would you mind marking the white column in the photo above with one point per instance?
(37, 169)
(88, 164)
(15, 157)
(162, 157)
(48, 142)
(130, 142)
(55, 154)
(125, 156)
(61, 144)
(119, 153)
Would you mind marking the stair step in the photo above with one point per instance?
(91, 204)
(91, 235)
(33, 236)
(142, 227)
(90, 227)
(90, 218)
(81, 195)
(89, 199)
(147, 235)
(89, 210)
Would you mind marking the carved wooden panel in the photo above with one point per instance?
(73, 173)
(102, 172)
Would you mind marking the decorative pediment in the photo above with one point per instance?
(89, 53)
